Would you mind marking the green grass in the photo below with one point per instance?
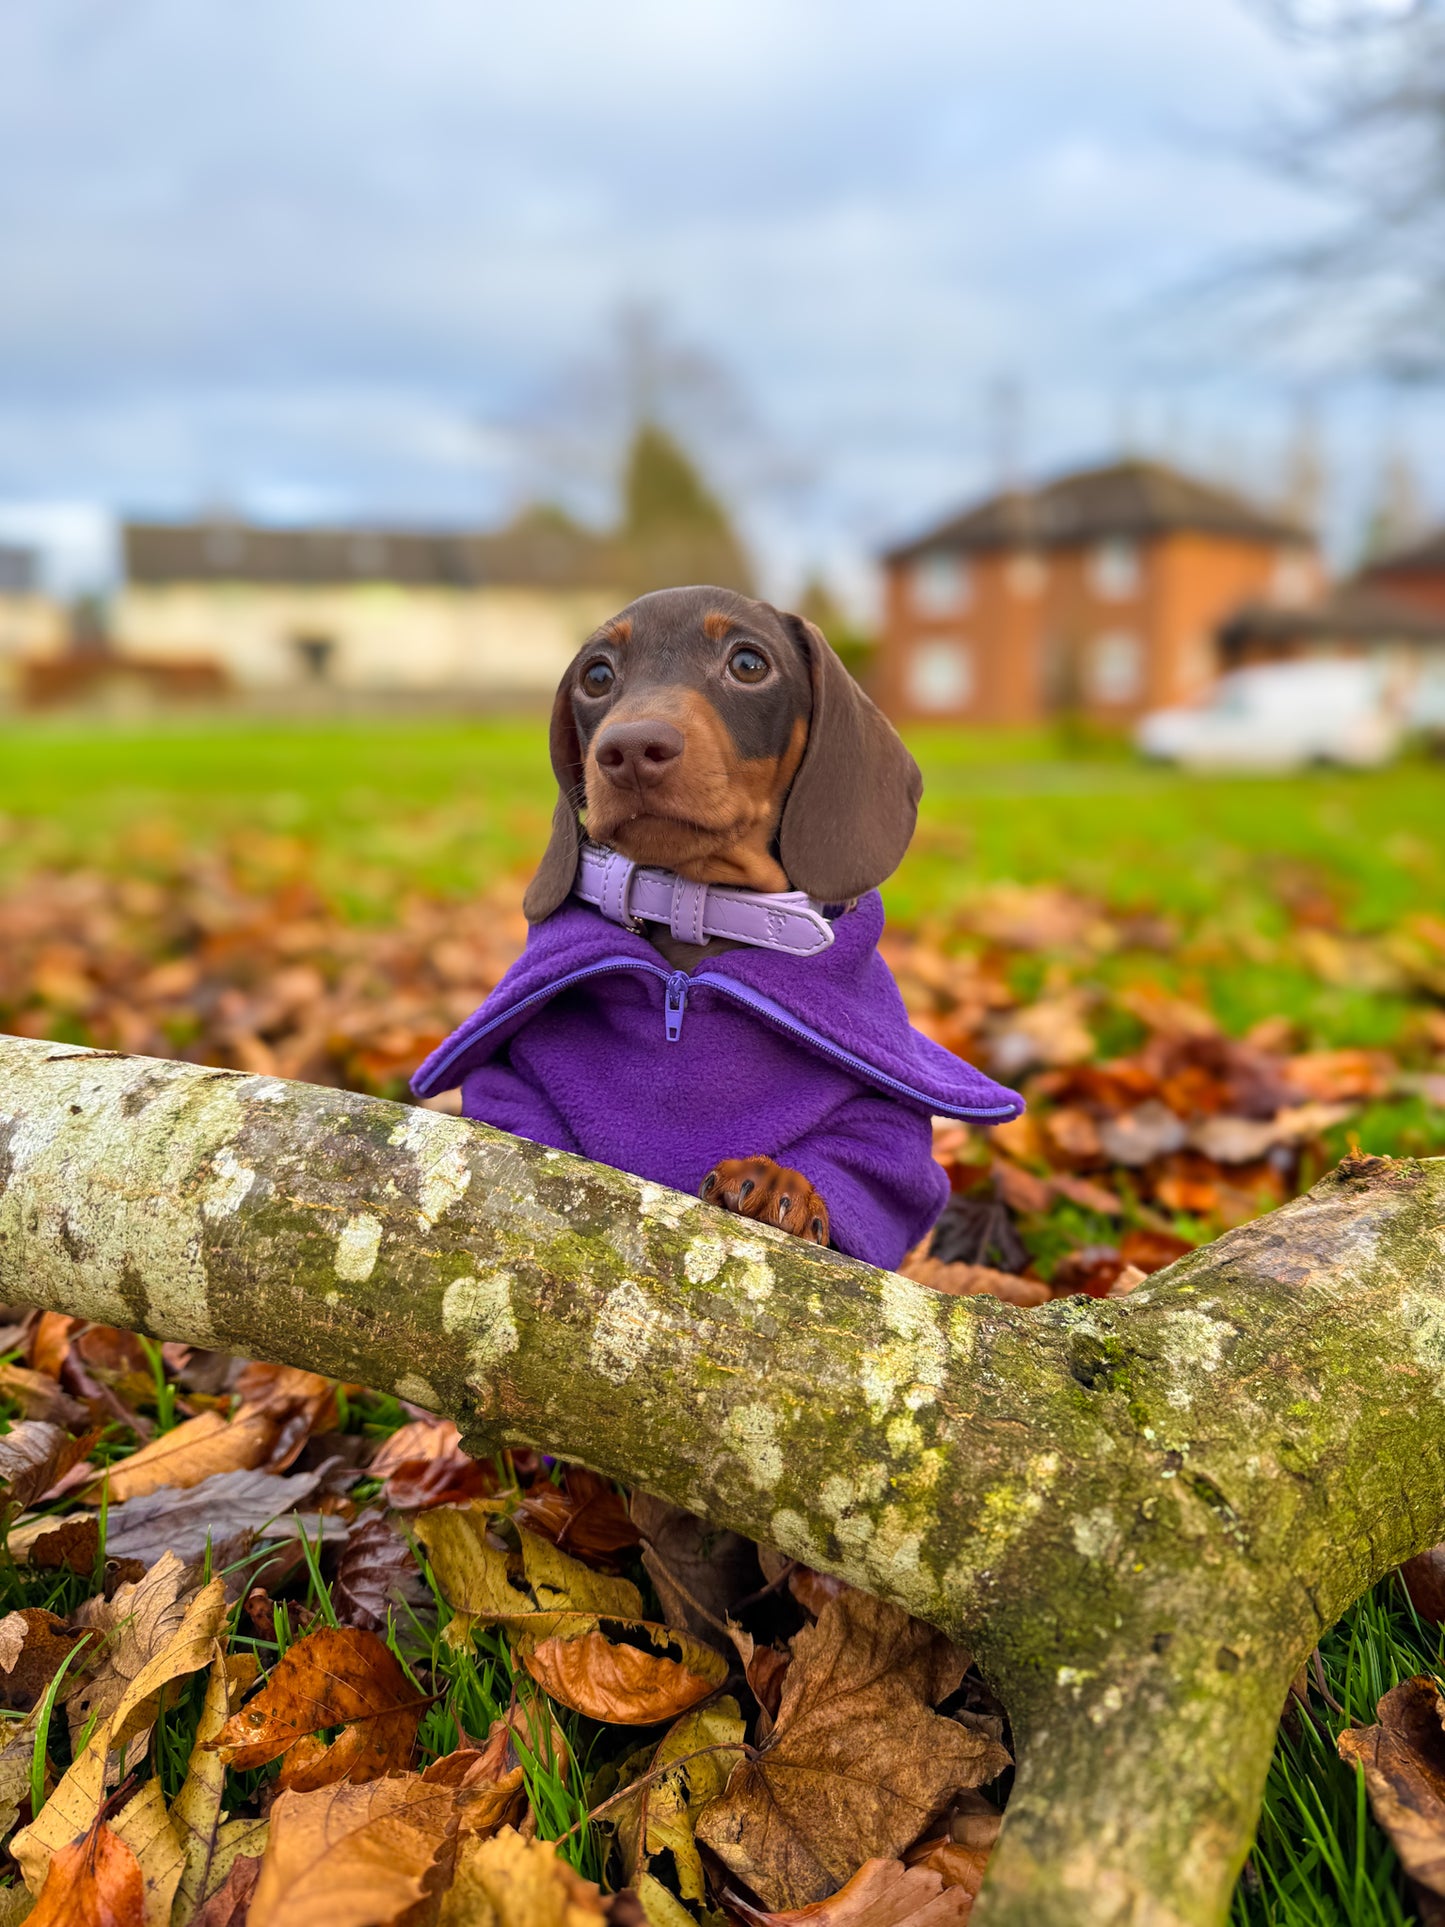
(1319, 1861)
(447, 806)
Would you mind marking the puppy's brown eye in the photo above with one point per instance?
(597, 678)
(747, 665)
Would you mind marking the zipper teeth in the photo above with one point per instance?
(716, 981)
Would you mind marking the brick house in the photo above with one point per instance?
(1099, 593)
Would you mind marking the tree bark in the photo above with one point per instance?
(1140, 1513)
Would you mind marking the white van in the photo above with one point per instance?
(1280, 715)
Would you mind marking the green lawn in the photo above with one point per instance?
(447, 801)
(1287, 897)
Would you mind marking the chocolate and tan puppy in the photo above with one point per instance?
(701, 1000)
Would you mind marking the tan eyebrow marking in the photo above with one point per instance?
(716, 625)
(618, 629)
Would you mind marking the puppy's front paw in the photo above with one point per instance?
(759, 1188)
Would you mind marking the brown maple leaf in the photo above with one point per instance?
(857, 1763)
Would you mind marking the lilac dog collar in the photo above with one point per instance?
(785, 920)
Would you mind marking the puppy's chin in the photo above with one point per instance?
(700, 854)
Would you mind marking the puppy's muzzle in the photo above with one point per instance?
(638, 755)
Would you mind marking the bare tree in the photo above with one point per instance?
(1367, 283)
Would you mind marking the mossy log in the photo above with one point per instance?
(1141, 1514)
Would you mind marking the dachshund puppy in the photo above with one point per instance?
(701, 1000)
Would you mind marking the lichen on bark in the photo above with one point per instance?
(1141, 1513)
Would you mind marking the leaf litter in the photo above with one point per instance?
(488, 1767)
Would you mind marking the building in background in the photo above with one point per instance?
(1098, 594)
(1392, 611)
(364, 612)
(33, 625)
(338, 613)
(1413, 576)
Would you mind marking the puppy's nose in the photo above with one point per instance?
(638, 752)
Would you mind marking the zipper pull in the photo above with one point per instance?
(675, 1004)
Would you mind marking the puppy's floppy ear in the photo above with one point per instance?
(556, 873)
(850, 813)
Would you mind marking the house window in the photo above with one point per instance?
(940, 676)
(1028, 574)
(1116, 667)
(1293, 580)
(316, 654)
(1114, 570)
(940, 583)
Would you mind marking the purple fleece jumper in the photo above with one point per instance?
(592, 1043)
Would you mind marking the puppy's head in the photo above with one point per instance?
(709, 734)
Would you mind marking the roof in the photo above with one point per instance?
(1129, 499)
(541, 549)
(19, 570)
(1426, 557)
(1356, 612)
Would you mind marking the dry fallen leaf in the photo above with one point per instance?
(95, 1881)
(857, 1763)
(375, 1573)
(699, 1752)
(70, 1544)
(584, 1516)
(883, 1893)
(16, 1756)
(35, 1455)
(194, 1450)
(165, 1657)
(229, 1905)
(698, 1571)
(144, 1826)
(600, 1673)
(40, 1397)
(209, 1844)
(34, 1645)
(130, 1629)
(507, 1881)
(1403, 1758)
(974, 1281)
(355, 1856)
(422, 1464)
(336, 1676)
(218, 1511)
(579, 1633)
(1424, 1581)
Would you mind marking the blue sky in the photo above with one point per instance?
(341, 259)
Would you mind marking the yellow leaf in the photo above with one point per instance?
(195, 1450)
(473, 1575)
(209, 1844)
(145, 1829)
(562, 1584)
(75, 1803)
(353, 1856)
(700, 1751)
(507, 1881)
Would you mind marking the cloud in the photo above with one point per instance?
(328, 250)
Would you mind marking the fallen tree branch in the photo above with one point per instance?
(1141, 1513)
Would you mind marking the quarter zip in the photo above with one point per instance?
(677, 988)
